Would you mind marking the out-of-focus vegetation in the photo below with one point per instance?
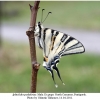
(80, 72)
(64, 13)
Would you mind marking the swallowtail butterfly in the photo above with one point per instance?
(55, 44)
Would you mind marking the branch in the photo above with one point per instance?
(0, 25)
(30, 34)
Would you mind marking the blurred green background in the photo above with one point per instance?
(80, 73)
(66, 14)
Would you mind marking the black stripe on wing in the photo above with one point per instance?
(39, 37)
(39, 30)
(52, 32)
(54, 38)
(69, 40)
(64, 37)
(44, 36)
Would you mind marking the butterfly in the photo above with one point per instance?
(55, 44)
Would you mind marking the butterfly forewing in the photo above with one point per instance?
(60, 43)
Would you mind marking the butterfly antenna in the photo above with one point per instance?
(42, 15)
(47, 16)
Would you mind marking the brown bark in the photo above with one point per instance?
(30, 34)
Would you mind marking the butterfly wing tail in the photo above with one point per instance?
(51, 72)
(58, 73)
(56, 61)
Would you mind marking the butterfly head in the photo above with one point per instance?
(38, 29)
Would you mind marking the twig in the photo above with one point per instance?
(30, 34)
(0, 25)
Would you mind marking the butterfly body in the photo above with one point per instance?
(55, 44)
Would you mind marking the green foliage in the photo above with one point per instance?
(67, 14)
(80, 73)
